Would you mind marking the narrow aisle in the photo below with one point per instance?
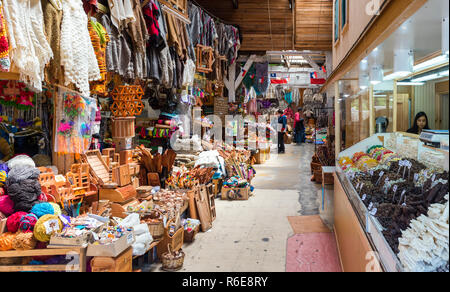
(251, 236)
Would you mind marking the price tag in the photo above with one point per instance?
(370, 206)
(374, 211)
(425, 173)
(364, 197)
(381, 175)
(395, 189)
(433, 178)
(416, 177)
(371, 172)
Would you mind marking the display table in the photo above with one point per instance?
(76, 266)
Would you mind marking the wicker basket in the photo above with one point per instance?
(156, 229)
(171, 262)
(190, 236)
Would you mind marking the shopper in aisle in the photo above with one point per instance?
(299, 127)
(282, 126)
(420, 124)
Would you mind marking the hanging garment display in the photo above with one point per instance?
(30, 50)
(99, 39)
(262, 78)
(75, 116)
(5, 61)
(77, 53)
(52, 26)
(121, 13)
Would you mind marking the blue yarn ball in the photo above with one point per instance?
(42, 209)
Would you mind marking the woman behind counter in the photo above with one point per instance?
(420, 124)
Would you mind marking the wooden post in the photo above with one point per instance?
(371, 111)
(395, 107)
(337, 127)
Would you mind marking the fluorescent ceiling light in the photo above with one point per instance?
(396, 75)
(431, 77)
(440, 60)
(410, 83)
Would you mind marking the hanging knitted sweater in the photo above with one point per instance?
(77, 53)
(29, 48)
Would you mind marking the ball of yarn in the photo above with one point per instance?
(24, 241)
(12, 223)
(21, 160)
(27, 223)
(6, 240)
(3, 177)
(46, 226)
(42, 209)
(56, 209)
(6, 205)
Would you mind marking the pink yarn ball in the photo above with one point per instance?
(6, 205)
(12, 223)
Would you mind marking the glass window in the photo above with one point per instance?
(336, 20)
(344, 13)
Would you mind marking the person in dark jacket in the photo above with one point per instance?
(282, 127)
(420, 124)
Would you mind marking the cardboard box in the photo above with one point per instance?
(65, 241)
(235, 194)
(113, 249)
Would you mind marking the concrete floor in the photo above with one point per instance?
(251, 236)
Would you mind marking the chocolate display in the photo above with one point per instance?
(397, 192)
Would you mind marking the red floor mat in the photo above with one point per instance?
(312, 252)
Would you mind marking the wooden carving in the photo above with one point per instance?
(127, 101)
(205, 59)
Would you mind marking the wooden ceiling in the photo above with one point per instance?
(313, 23)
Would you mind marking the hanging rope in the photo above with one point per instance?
(270, 23)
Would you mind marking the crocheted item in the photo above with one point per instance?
(5, 62)
(77, 52)
(24, 241)
(30, 50)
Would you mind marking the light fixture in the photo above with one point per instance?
(445, 36)
(406, 83)
(403, 63)
(376, 74)
(439, 60)
(431, 76)
(364, 80)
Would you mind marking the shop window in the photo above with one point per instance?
(336, 21)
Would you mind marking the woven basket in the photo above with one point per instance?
(156, 229)
(170, 262)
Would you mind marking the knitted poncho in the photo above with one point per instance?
(29, 49)
(77, 53)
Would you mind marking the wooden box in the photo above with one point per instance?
(65, 241)
(123, 143)
(113, 249)
(235, 194)
(121, 175)
(120, 264)
(126, 157)
(118, 195)
(176, 241)
(123, 127)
